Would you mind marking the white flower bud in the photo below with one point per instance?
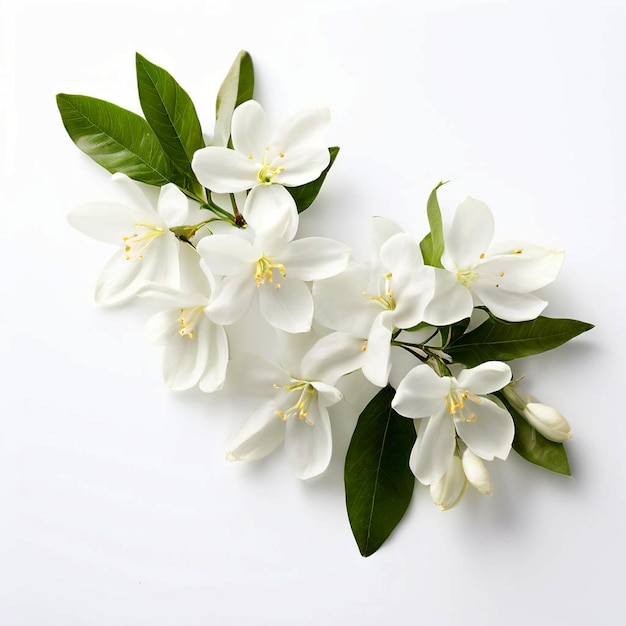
(548, 421)
(449, 491)
(477, 473)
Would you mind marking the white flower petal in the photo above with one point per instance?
(528, 270)
(251, 374)
(378, 351)
(227, 255)
(271, 212)
(401, 253)
(470, 234)
(261, 434)
(485, 378)
(287, 305)
(381, 229)
(184, 360)
(509, 306)
(119, 280)
(162, 327)
(306, 128)
(490, 434)
(433, 449)
(309, 446)
(231, 299)
(315, 258)
(173, 205)
(333, 356)
(249, 130)
(214, 373)
(451, 301)
(412, 293)
(421, 393)
(107, 221)
(327, 395)
(223, 170)
(341, 302)
(302, 165)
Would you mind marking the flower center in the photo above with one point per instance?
(268, 170)
(305, 392)
(188, 320)
(143, 236)
(465, 277)
(456, 403)
(264, 273)
(385, 294)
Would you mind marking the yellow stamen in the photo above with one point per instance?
(265, 267)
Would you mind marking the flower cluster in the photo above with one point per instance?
(221, 244)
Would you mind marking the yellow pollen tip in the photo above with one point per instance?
(482, 255)
(517, 251)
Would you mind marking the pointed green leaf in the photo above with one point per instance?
(496, 340)
(172, 115)
(304, 195)
(452, 333)
(238, 87)
(533, 446)
(379, 483)
(432, 245)
(117, 139)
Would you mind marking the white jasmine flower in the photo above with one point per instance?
(501, 277)
(273, 268)
(196, 348)
(547, 420)
(452, 407)
(476, 473)
(149, 251)
(294, 411)
(369, 303)
(293, 156)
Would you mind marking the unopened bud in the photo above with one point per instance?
(548, 421)
(449, 491)
(477, 473)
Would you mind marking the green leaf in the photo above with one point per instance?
(496, 340)
(379, 483)
(238, 87)
(117, 139)
(304, 195)
(452, 333)
(432, 245)
(172, 115)
(533, 446)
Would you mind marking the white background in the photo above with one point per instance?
(117, 505)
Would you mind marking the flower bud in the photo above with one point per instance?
(477, 473)
(548, 421)
(449, 491)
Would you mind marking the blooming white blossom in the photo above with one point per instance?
(295, 410)
(369, 302)
(547, 420)
(273, 267)
(293, 156)
(501, 276)
(195, 348)
(149, 251)
(452, 407)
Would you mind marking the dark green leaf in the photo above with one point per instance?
(115, 138)
(379, 483)
(452, 333)
(533, 446)
(238, 87)
(432, 245)
(496, 340)
(172, 115)
(305, 194)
